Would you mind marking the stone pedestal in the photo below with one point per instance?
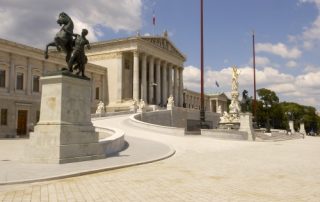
(64, 132)
(302, 129)
(170, 106)
(246, 125)
(291, 127)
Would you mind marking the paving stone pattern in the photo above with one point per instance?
(203, 169)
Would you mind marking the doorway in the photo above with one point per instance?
(22, 122)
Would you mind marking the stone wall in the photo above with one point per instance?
(225, 134)
(177, 117)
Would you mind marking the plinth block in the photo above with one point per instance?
(64, 132)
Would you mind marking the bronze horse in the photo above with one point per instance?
(63, 39)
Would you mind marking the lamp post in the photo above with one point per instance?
(266, 105)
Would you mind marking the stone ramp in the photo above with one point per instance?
(139, 151)
(277, 137)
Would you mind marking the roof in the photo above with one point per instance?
(160, 42)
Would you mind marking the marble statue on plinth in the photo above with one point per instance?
(134, 106)
(100, 108)
(170, 103)
(234, 107)
(141, 106)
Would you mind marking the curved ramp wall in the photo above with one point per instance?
(177, 117)
(111, 140)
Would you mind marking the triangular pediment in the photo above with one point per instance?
(164, 43)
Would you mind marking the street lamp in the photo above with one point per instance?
(266, 105)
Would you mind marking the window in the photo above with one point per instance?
(4, 116)
(97, 93)
(36, 84)
(37, 116)
(2, 78)
(19, 81)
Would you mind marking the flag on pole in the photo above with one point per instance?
(217, 84)
(153, 19)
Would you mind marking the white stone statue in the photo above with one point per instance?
(170, 103)
(141, 106)
(219, 110)
(224, 118)
(235, 76)
(100, 108)
(134, 106)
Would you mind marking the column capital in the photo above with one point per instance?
(151, 58)
(170, 65)
(143, 55)
(135, 53)
(164, 62)
(157, 60)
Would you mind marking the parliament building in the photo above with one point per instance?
(121, 70)
(147, 68)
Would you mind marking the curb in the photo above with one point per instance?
(86, 172)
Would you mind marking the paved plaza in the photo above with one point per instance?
(202, 169)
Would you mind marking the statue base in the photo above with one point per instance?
(64, 132)
(246, 125)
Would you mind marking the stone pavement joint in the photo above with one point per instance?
(203, 169)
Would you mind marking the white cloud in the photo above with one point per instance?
(311, 34)
(302, 89)
(291, 64)
(311, 68)
(261, 61)
(309, 80)
(279, 49)
(33, 22)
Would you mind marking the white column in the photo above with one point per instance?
(93, 90)
(175, 86)
(170, 80)
(119, 78)
(164, 83)
(12, 80)
(217, 104)
(158, 81)
(29, 77)
(136, 75)
(144, 78)
(151, 80)
(181, 87)
(44, 70)
(103, 88)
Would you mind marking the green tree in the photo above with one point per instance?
(268, 108)
(300, 113)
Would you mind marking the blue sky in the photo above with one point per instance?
(287, 36)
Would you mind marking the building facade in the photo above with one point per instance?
(147, 68)
(212, 102)
(21, 68)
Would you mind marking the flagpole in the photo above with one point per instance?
(254, 77)
(154, 22)
(202, 112)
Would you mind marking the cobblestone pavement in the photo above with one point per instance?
(203, 169)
